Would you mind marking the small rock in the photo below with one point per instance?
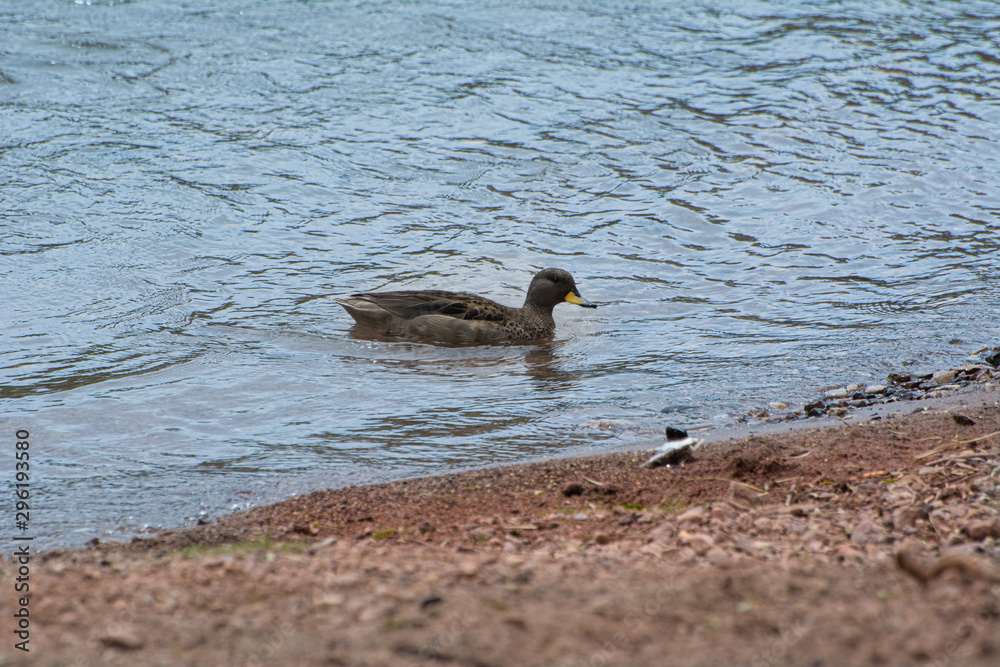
(981, 529)
(693, 515)
(717, 556)
(851, 388)
(603, 538)
(123, 639)
(993, 359)
(837, 412)
(675, 433)
(722, 513)
(875, 389)
(906, 517)
(778, 405)
(306, 528)
(898, 378)
(847, 552)
(962, 420)
(430, 600)
(866, 532)
(986, 486)
(662, 533)
(572, 489)
(628, 519)
(943, 377)
(837, 394)
(700, 542)
(744, 495)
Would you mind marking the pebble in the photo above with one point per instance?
(905, 387)
(124, 639)
(981, 529)
(700, 542)
(866, 532)
(674, 433)
(693, 515)
(943, 377)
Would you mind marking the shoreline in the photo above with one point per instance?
(871, 539)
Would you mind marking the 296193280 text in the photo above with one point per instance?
(21, 554)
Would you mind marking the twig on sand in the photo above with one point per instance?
(958, 443)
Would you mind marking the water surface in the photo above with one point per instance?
(766, 198)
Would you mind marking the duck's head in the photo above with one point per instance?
(550, 287)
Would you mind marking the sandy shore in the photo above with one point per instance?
(873, 540)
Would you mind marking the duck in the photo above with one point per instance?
(463, 318)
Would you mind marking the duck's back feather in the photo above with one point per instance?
(458, 305)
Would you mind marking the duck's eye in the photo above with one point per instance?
(555, 279)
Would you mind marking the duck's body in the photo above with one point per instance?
(460, 317)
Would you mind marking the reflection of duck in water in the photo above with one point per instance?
(459, 317)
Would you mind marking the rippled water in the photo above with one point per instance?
(765, 197)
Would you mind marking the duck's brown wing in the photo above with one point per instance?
(459, 305)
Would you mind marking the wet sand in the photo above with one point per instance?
(870, 540)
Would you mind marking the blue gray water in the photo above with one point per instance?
(766, 198)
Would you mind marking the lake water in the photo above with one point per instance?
(766, 198)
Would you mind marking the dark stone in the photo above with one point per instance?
(962, 420)
(858, 396)
(899, 378)
(993, 359)
(815, 412)
(573, 489)
(815, 405)
(675, 433)
(429, 600)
